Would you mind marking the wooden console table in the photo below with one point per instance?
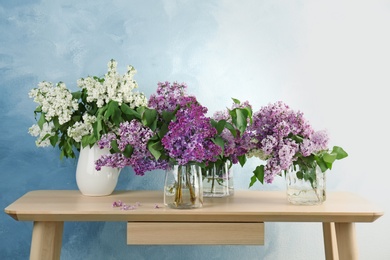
(231, 221)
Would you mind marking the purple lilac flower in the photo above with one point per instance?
(234, 146)
(105, 141)
(189, 136)
(168, 96)
(131, 133)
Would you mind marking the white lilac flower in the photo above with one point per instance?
(42, 134)
(55, 101)
(80, 129)
(113, 87)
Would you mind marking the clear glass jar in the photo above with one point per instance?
(304, 190)
(183, 187)
(218, 181)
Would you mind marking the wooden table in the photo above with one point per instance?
(233, 220)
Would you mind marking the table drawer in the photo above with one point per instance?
(195, 233)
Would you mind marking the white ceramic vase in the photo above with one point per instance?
(90, 181)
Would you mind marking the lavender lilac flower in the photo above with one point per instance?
(271, 132)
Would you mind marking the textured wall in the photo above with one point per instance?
(329, 59)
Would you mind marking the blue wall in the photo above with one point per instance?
(328, 59)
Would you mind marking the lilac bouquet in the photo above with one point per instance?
(184, 132)
(284, 139)
(232, 135)
(173, 128)
(172, 132)
(72, 120)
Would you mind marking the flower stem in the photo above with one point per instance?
(184, 172)
(179, 195)
(189, 184)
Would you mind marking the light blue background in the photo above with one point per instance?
(329, 59)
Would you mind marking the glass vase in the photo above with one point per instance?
(303, 190)
(183, 187)
(218, 181)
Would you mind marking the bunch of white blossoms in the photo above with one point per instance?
(42, 134)
(113, 87)
(80, 129)
(54, 100)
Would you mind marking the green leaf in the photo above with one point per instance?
(259, 173)
(128, 151)
(220, 142)
(129, 111)
(76, 95)
(84, 141)
(329, 159)
(155, 148)
(320, 162)
(113, 112)
(236, 101)
(241, 160)
(76, 118)
(41, 120)
(116, 118)
(38, 110)
(299, 175)
(98, 127)
(140, 110)
(167, 116)
(253, 181)
(239, 118)
(220, 125)
(250, 113)
(149, 118)
(114, 146)
(340, 152)
(163, 130)
(231, 128)
(54, 140)
(91, 139)
(298, 139)
(67, 148)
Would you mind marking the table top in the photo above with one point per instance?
(243, 206)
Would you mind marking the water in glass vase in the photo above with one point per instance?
(183, 187)
(218, 181)
(306, 192)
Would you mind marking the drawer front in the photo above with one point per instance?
(194, 233)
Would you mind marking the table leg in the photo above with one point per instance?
(46, 240)
(330, 241)
(346, 241)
